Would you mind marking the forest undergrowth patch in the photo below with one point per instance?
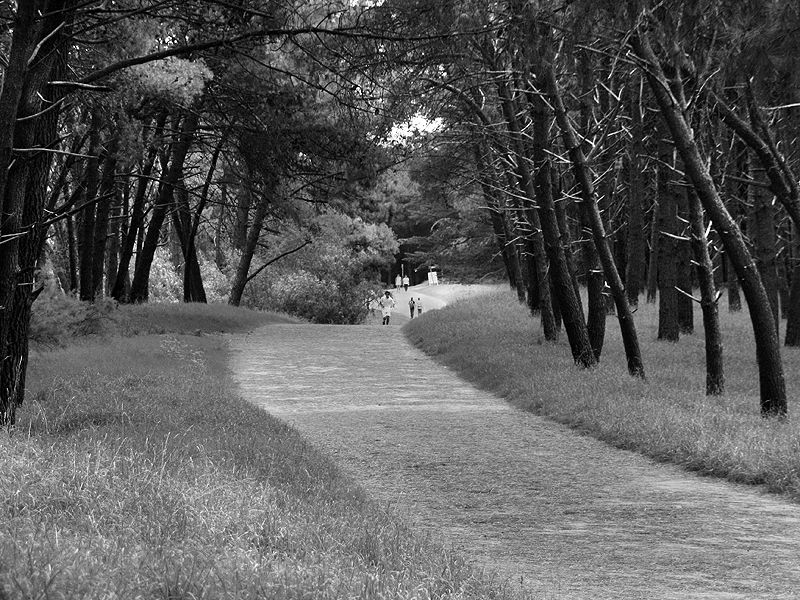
(135, 471)
(493, 342)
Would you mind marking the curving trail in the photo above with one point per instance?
(554, 513)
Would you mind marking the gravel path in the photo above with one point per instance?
(554, 513)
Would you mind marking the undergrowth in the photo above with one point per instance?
(493, 342)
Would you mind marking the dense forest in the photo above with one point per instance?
(291, 155)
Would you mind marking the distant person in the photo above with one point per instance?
(406, 281)
(387, 304)
(398, 281)
(419, 306)
(411, 305)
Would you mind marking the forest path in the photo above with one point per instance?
(554, 513)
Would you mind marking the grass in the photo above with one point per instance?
(58, 319)
(493, 342)
(137, 472)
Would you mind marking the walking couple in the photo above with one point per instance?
(412, 305)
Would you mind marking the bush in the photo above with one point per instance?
(315, 299)
(56, 317)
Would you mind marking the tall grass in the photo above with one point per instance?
(137, 472)
(492, 341)
(59, 319)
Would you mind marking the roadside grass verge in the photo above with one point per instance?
(493, 342)
(135, 471)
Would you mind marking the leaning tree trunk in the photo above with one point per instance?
(506, 245)
(589, 199)
(539, 297)
(240, 279)
(715, 377)
(772, 383)
(539, 190)
(595, 279)
(137, 213)
(193, 290)
(165, 199)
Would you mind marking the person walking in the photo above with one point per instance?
(386, 303)
(398, 281)
(419, 306)
(411, 305)
(406, 281)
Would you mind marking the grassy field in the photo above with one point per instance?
(493, 342)
(137, 472)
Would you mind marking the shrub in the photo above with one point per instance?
(56, 317)
(318, 300)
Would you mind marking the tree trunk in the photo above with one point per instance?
(762, 235)
(655, 243)
(114, 240)
(793, 317)
(732, 287)
(538, 292)
(193, 290)
(771, 379)
(589, 201)
(73, 255)
(792, 336)
(245, 260)
(715, 378)
(23, 185)
(542, 189)
(107, 197)
(684, 267)
(635, 263)
(166, 193)
(666, 225)
(87, 214)
(595, 279)
(505, 243)
(137, 213)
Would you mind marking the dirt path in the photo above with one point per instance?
(556, 514)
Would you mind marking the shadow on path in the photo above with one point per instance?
(556, 514)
